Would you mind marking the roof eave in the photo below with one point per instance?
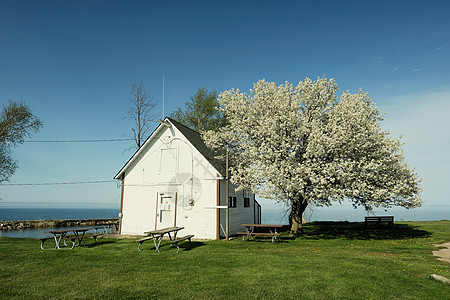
(136, 154)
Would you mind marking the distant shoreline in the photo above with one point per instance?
(35, 224)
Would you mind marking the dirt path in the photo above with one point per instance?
(443, 254)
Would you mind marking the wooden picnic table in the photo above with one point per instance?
(107, 228)
(59, 235)
(250, 231)
(157, 235)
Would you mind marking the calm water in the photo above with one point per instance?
(337, 213)
(270, 215)
(22, 214)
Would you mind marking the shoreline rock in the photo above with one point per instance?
(31, 224)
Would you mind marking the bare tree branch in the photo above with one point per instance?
(140, 112)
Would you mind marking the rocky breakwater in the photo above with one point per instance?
(14, 225)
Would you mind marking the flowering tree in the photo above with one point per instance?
(306, 146)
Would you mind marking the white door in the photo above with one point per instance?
(166, 211)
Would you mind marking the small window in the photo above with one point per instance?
(232, 202)
(246, 198)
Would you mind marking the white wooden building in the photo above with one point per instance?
(175, 180)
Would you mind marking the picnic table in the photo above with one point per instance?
(157, 235)
(250, 231)
(107, 228)
(61, 235)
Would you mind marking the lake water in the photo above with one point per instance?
(270, 215)
(24, 214)
(347, 213)
(41, 232)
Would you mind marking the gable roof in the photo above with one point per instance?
(193, 137)
(196, 140)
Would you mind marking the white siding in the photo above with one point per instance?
(169, 164)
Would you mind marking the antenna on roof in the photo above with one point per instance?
(163, 100)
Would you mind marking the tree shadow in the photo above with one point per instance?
(94, 244)
(356, 230)
(184, 246)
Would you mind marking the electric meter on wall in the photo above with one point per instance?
(166, 202)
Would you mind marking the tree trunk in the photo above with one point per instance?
(296, 227)
(298, 207)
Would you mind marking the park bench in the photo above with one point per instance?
(43, 240)
(81, 237)
(141, 241)
(378, 220)
(247, 235)
(180, 239)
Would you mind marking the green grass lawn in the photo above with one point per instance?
(330, 261)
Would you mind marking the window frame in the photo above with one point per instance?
(232, 201)
(246, 195)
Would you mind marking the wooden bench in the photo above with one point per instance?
(259, 234)
(141, 241)
(43, 240)
(81, 237)
(180, 239)
(378, 220)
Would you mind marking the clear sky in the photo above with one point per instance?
(73, 63)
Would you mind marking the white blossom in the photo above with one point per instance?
(305, 145)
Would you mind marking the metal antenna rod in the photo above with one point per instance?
(163, 101)
(227, 197)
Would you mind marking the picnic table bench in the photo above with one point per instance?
(378, 220)
(251, 232)
(180, 239)
(43, 240)
(141, 241)
(259, 234)
(81, 237)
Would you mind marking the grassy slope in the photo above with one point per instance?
(331, 261)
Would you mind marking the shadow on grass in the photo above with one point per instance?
(184, 246)
(356, 230)
(282, 239)
(189, 247)
(98, 244)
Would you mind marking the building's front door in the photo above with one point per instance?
(166, 211)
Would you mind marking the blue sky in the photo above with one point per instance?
(73, 62)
